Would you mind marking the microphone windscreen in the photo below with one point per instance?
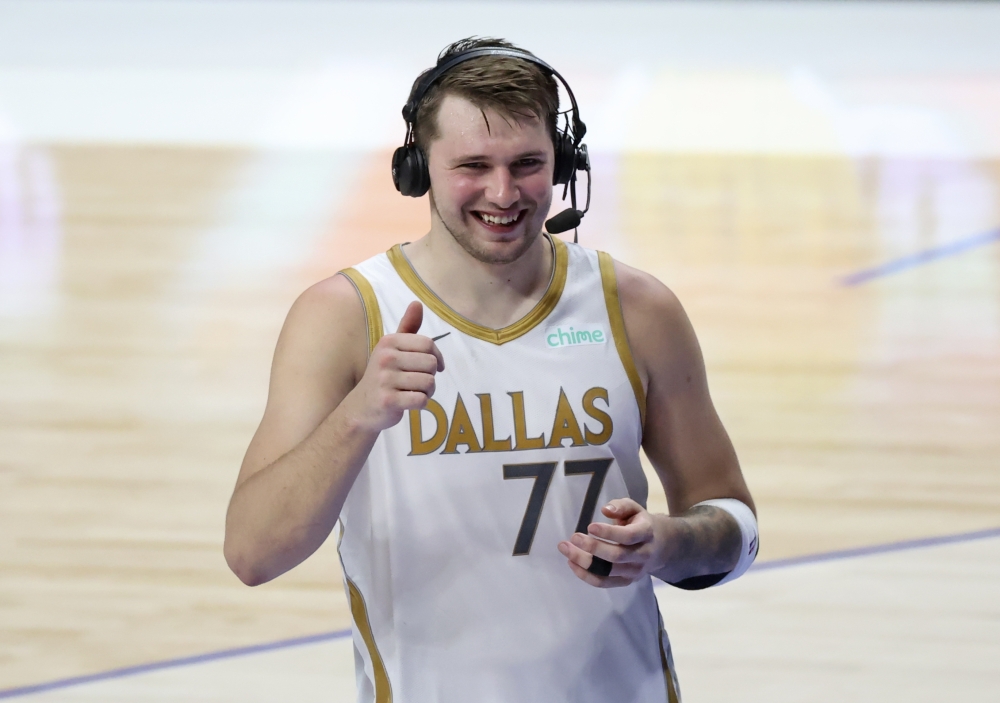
(565, 220)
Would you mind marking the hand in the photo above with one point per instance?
(400, 373)
(636, 551)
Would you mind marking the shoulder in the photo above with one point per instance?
(648, 305)
(645, 296)
(332, 301)
(325, 328)
(658, 329)
(333, 297)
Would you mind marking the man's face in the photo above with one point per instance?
(491, 185)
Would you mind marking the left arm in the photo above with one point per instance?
(687, 446)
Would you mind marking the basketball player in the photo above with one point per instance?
(470, 407)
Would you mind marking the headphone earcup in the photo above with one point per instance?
(409, 171)
(565, 159)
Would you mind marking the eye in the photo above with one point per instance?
(529, 163)
(474, 166)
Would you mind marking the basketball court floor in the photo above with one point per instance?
(818, 182)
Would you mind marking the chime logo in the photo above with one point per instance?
(570, 336)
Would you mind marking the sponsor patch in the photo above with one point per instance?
(573, 335)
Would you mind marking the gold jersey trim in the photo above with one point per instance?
(668, 675)
(501, 336)
(359, 613)
(614, 305)
(383, 690)
(373, 316)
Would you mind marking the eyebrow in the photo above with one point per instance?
(484, 157)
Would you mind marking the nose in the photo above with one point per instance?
(501, 189)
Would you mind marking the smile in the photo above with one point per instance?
(501, 220)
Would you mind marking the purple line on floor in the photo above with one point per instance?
(876, 549)
(172, 663)
(921, 257)
(326, 636)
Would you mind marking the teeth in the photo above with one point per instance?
(490, 219)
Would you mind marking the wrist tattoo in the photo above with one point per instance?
(711, 543)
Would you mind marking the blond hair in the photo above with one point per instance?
(514, 88)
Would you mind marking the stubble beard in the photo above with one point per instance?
(476, 250)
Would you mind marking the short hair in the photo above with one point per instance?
(514, 88)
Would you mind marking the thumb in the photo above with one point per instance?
(621, 509)
(412, 318)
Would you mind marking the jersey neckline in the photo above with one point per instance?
(542, 308)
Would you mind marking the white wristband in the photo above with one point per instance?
(748, 529)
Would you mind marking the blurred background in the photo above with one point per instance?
(819, 182)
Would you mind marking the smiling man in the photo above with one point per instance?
(470, 408)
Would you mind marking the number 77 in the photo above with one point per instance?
(542, 473)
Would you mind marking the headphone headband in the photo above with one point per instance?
(429, 77)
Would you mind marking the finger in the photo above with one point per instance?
(414, 315)
(411, 400)
(437, 353)
(621, 509)
(414, 381)
(584, 560)
(412, 361)
(576, 555)
(599, 581)
(631, 535)
(416, 343)
(614, 553)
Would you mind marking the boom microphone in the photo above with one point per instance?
(565, 220)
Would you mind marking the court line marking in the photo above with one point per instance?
(172, 663)
(836, 555)
(919, 258)
(886, 548)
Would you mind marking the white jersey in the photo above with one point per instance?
(449, 535)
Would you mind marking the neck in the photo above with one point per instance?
(491, 295)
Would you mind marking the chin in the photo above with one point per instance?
(499, 251)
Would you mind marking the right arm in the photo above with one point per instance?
(326, 405)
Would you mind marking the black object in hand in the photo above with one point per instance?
(599, 567)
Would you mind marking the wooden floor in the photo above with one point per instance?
(916, 625)
(142, 289)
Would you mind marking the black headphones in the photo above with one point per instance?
(411, 176)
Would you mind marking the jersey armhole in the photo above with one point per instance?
(373, 316)
(614, 305)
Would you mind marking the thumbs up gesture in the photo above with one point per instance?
(400, 372)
